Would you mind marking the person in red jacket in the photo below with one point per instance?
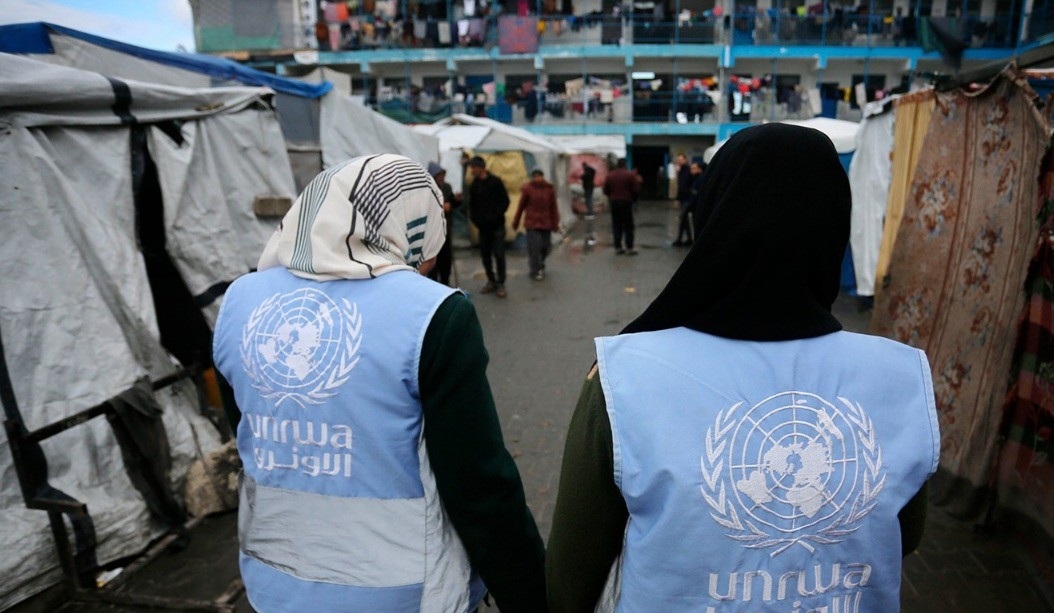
(540, 218)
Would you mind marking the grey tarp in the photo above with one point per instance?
(350, 129)
(76, 310)
(209, 184)
(335, 125)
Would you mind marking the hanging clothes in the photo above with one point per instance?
(962, 252)
(869, 177)
(913, 113)
(1026, 461)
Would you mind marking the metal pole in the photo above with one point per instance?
(494, 79)
(823, 24)
(409, 88)
(676, 89)
(773, 101)
(677, 23)
(585, 90)
(870, 23)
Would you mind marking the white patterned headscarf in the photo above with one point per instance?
(359, 219)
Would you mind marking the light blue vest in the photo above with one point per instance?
(339, 510)
(765, 476)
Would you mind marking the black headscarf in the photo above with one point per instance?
(771, 226)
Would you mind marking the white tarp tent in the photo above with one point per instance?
(842, 134)
(461, 132)
(601, 145)
(349, 129)
(79, 321)
(321, 125)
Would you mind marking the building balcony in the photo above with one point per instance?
(518, 35)
(556, 114)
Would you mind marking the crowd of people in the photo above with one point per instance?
(726, 448)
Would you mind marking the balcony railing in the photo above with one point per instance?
(747, 26)
(844, 28)
(655, 107)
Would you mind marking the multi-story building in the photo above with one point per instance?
(669, 75)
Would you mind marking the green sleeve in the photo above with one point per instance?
(476, 477)
(590, 517)
(230, 405)
(912, 520)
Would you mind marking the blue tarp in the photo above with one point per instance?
(36, 38)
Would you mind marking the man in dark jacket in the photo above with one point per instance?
(488, 201)
(694, 195)
(622, 188)
(588, 184)
(445, 259)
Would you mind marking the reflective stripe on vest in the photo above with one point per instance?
(339, 507)
(765, 476)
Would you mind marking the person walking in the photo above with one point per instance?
(684, 189)
(622, 187)
(375, 476)
(488, 201)
(733, 448)
(540, 217)
(589, 175)
(695, 173)
(445, 259)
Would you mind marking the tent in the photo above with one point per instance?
(522, 151)
(600, 145)
(321, 126)
(842, 134)
(128, 207)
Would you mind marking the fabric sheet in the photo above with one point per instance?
(869, 177)
(911, 123)
(517, 34)
(968, 231)
(1026, 461)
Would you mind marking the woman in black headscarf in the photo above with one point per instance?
(771, 230)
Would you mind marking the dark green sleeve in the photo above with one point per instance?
(476, 477)
(590, 517)
(230, 405)
(912, 520)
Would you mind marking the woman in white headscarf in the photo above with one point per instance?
(375, 475)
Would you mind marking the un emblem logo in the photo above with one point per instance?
(794, 469)
(301, 346)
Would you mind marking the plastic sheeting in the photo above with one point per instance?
(237, 158)
(842, 134)
(79, 327)
(600, 145)
(463, 133)
(37, 94)
(349, 130)
(869, 176)
(344, 128)
(33, 38)
(76, 308)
